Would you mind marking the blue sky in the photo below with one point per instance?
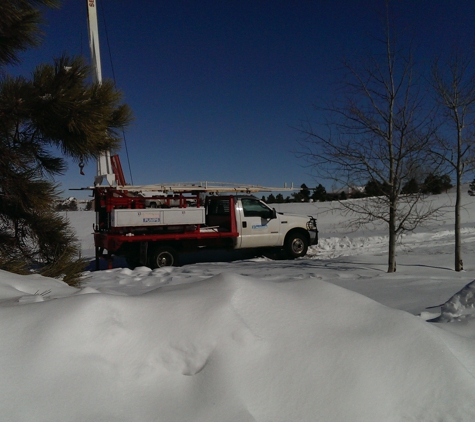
(217, 87)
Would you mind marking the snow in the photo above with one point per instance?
(330, 337)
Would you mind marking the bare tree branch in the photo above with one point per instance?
(454, 85)
(382, 131)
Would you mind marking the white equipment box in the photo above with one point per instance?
(157, 217)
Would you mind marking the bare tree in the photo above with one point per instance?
(454, 85)
(379, 131)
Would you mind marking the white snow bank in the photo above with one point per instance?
(229, 348)
(458, 307)
(250, 340)
(14, 288)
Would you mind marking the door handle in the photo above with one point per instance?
(244, 224)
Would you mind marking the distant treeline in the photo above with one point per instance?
(433, 184)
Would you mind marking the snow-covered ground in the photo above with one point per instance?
(331, 337)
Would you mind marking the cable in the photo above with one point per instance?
(115, 83)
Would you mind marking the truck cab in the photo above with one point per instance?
(260, 226)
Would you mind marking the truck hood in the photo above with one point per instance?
(287, 214)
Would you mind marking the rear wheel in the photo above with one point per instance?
(296, 245)
(164, 256)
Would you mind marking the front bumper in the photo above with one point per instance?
(313, 237)
(312, 230)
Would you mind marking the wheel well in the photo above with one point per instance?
(295, 231)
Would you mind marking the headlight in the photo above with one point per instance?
(312, 224)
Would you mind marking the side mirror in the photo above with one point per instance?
(274, 214)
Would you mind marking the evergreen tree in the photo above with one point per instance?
(319, 193)
(57, 107)
(376, 188)
(446, 182)
(436, 184)
(305, 192)
(271, 199)
(19, 27)
(303, 195)
(411, 187)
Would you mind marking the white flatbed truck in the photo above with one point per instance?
(191, 218)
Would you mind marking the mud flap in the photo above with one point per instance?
(143, 253)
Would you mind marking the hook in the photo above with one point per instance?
(81, 167)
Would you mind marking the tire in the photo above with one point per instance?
(153, 205)
(296, 245)
(163, 257)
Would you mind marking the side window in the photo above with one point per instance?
(254, 208)
(218, 207)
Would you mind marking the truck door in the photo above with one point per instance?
(257, 227)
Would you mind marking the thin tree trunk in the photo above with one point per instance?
(458, 240)
(392, 239)
(458, 197)
(455, 88)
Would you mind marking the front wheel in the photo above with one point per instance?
(163, 257)
(296, 245)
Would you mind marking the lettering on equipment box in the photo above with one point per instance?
(157, 217)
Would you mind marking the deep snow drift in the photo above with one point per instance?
(331, 337)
